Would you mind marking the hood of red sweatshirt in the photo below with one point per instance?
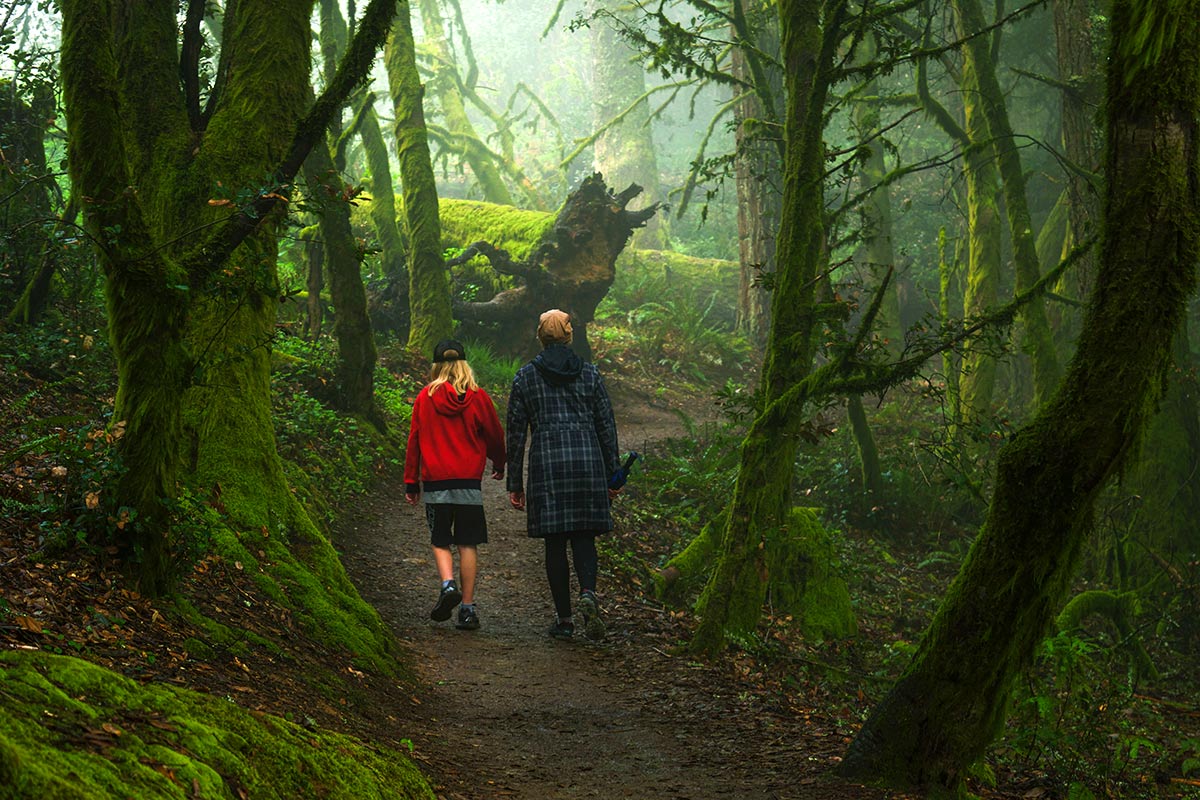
(447, 402)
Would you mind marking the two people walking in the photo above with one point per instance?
(559, 409)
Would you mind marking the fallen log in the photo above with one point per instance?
(571, 266)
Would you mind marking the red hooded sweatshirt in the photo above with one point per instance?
(450, 439)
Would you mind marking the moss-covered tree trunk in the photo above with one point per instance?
(981, 290)
(190, 275)
(733, 597)
(444, 86)
(981, 286)
(949, 300)
(429, 288)
(624, 152)
(757, 160)
(1037, 340)
(355, 375)
(952, 700)
(314, 259)
(383, 198)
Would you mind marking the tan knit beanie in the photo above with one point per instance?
(554, 327)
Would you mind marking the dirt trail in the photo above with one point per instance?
(508, 712)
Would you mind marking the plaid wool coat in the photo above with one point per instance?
(563, 406)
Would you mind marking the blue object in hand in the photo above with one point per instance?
(622, 474)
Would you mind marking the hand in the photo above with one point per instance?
(497, 474)
(612, 494)
(517, 499)
(411, 499)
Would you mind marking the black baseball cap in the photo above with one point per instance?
(448, 350)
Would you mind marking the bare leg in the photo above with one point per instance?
(468, 560)
(445, 563)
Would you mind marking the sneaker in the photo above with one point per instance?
(562, 630)
(468, 620)
(446, 601)
(589, 609)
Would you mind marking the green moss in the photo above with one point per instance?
(198, 650)
(116, 738)
(508, 228)
(690, 568)
(804, 580)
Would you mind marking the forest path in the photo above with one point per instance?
(508, 712)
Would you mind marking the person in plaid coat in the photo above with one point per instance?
(559, 404)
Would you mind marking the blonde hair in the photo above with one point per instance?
(457, 373)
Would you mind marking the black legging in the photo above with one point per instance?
(583, 547)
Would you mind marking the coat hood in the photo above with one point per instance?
(448, 402)
(558, 364)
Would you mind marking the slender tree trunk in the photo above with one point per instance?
(951, 701)
(876, 253)
(314, 254)
(757, 165)
(33, 301)
(625, 152)
(1038, 341)
(949, 299)
(868, 451)
(383, 197)
(1078, 67)
(429, 288)
(355, 378)
(732, 599)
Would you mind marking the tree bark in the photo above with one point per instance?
(757, 162)
(1078, 69)
(429, 290)
(951, 701)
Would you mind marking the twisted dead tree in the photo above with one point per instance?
(571, 268)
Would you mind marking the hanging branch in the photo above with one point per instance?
(690, 185)
(365, 103)
(553, 18)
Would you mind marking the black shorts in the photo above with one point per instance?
(451, 523)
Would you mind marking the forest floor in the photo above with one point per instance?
(508, 712)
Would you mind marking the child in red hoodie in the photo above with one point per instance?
(455, 429)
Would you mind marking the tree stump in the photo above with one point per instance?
(571, 267)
